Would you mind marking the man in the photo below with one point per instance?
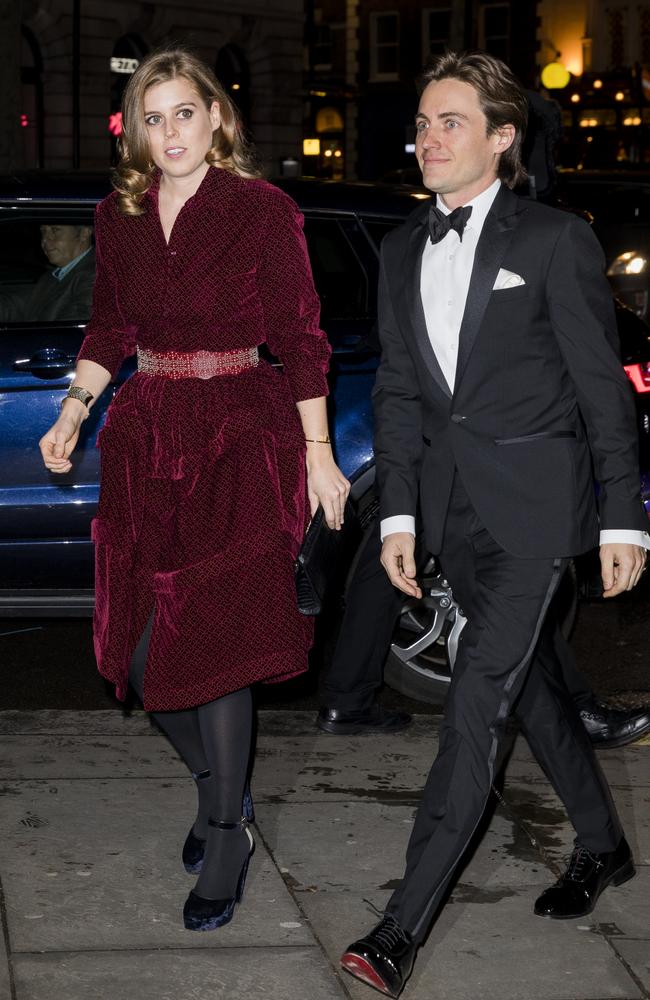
(499, 385)
(64, 293)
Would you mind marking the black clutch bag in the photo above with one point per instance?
(323, 558)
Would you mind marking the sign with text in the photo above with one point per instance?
(120, 64)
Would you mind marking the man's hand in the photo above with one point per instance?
(621, 566)
(398, 559)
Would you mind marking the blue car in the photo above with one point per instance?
(46, 557)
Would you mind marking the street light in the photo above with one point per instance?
(555, 76)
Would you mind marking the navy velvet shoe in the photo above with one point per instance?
(201, 914)
(194, 847)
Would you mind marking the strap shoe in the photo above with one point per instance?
(194, 847)
(383, 959)
(201, 914)
(576, 893)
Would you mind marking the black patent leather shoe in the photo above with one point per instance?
(614, 727)
(577, 891)
(337, 722)
(383, 959)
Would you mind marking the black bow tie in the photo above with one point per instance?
(440, 224)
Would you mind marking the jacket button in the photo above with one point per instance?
(457, 418)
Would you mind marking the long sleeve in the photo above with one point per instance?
(109, 339)
(582, 315)
(290, 303)
(398, 416)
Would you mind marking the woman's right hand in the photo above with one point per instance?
(59, 442)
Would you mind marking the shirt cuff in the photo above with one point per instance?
(611, 536)
(401, 522)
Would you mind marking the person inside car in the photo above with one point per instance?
(66, 291)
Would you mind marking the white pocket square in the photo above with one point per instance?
(507, 279)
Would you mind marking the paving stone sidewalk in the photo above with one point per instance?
(95, 808)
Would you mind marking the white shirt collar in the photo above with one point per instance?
(481, 205)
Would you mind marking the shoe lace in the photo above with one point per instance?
(580, 862)
(389, 933)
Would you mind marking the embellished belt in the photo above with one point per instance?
(196, 364)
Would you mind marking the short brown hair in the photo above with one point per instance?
(230, 149)
(500, 95)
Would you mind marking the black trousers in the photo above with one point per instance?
(371, 610)
(507, 661)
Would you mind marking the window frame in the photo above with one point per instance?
(483, 38)
(444, 7)
(375, 75)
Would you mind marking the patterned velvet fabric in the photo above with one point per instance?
(203, 500)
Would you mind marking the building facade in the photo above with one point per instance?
(76, 56)
(362, 61)
(605, 46)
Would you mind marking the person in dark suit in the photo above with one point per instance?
(66, 291)
(499, 388)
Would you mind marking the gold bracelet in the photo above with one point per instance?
(325, 440)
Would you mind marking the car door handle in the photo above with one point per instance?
(48, 363)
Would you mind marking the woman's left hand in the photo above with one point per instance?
(327, 486)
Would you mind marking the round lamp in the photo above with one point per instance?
(555, 76)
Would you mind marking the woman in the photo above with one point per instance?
(212, 462)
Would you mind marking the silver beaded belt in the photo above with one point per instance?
(196, 364)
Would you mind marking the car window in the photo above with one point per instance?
(611, 202)
(378, 228)
(339, 276)
(47, 271)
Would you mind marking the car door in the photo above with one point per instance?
(344, 269)
(44, 519)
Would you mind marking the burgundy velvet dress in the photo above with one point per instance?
(203, 502)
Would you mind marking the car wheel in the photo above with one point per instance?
(425, 640)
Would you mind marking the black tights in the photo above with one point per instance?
(215, 737)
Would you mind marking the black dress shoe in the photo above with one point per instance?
(375, 720)
(577, 891)
(613, 727)
(383, 959)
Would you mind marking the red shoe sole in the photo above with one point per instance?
(364, 971)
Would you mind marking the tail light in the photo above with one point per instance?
(639, 376)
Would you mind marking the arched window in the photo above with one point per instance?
(232, 71)
(31, 109)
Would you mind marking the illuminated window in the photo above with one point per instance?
(384, 46)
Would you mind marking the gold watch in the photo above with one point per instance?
(76, 392)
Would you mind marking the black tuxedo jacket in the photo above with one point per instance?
(541, 405)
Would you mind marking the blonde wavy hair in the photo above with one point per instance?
(230, 149)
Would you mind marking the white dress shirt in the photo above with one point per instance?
(445, 275)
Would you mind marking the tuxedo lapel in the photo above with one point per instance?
(418, 238)
(493, 243)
